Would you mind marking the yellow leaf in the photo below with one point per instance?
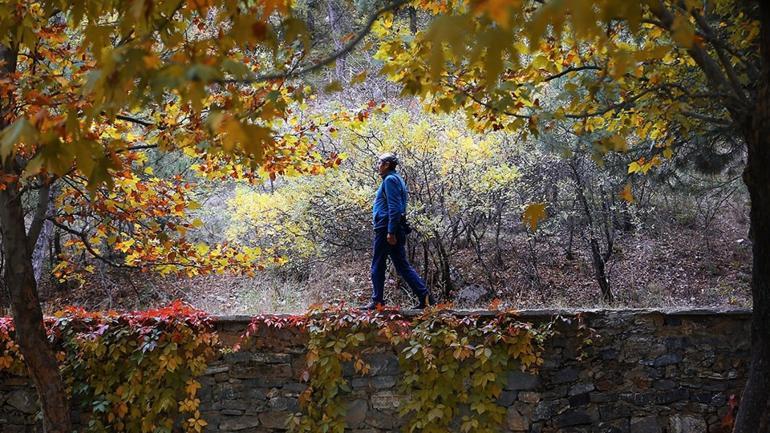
(201, 248)
(533, 213)
(634, 167)
(149, 171)
(382, 26)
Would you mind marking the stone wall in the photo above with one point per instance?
(645, 372)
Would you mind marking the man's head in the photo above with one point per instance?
(386, 162)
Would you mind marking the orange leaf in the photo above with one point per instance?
(627, 194)
(533, 214)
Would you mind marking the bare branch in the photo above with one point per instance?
(344, 51)
(705, 118)
(137, 121)
(574, 69)
(137, 147)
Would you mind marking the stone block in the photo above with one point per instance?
(231, 412)
(664, 384)
(545, 410)
(225, 391)
(518, 380)
(294, 388)
(687, 424)
(648, 424)
(356, 413)
(565, 375)
(673, 395)
(581, 388)
(216, 369)
(516, 421)
(579, 400)
(384, 382)
(383, 364)
(573, 418)
(506, 398)
(235, 423)
(529, 396)
(385, 400)
(261, 371)
(274, 420)
(271, 358)
(380, 420)
(616, 426)
(283, 404)
(612, 411)
(667, 359)
(23, 400)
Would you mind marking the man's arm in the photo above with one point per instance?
(393, 191)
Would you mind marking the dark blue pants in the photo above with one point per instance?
(381, 250)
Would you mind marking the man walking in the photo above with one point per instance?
(388, 215)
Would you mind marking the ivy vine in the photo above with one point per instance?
(133, 372)
(136, 372)
(452, 368)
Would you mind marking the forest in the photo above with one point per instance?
(571, 154)
(618, 224)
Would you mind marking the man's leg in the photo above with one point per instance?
(407, 272)
(380, 249)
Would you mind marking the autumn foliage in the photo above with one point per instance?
(132, 372)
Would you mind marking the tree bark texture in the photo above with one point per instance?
(28, 316)
(754, 399)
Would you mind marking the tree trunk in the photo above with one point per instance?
(757, 178)
(412, 19)
(22, 291)
(331, 15)
(28, 317)
(600, 270)
(598, 259)
(42, 245)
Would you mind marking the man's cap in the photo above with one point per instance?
(388, 157)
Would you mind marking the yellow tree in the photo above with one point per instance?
(644, 75)
(88, 86)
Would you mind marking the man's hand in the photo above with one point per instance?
(391, 238)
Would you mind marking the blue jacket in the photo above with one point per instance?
(390, 202)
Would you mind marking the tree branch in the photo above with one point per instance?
(137, 147)
(83, 238)
(570, 70)
(705, 118)
(137, 121)
(714, 75)
(345, 50)
(708, 33)
(628, 103)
